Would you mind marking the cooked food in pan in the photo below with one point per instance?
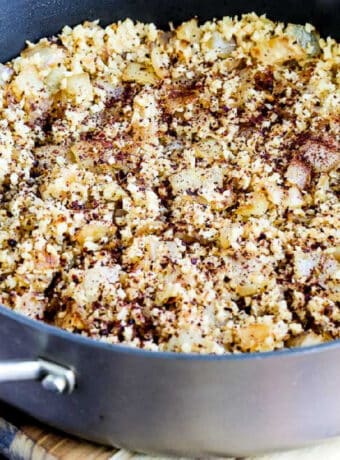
(174, 190)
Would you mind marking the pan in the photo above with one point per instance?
(153, 402)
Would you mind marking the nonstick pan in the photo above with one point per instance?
(154, 402)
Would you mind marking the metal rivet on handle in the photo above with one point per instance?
(55, 383)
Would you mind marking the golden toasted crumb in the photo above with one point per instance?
(174, 190)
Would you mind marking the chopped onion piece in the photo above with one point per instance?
(5, 73)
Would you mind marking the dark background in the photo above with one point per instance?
(32, 19)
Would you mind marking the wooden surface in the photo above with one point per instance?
(24, 439)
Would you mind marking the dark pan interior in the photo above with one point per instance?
(22, 20)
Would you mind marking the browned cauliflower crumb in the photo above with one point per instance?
(174, 190)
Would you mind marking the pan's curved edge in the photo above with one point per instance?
(125, 349)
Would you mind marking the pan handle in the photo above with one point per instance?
(53, 377)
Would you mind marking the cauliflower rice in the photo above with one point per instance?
(174, 190)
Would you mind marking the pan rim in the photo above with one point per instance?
(42, 327)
